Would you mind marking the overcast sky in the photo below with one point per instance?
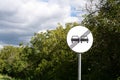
(20, 19)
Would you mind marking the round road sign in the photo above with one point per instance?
(79, 39)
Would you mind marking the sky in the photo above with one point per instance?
(20, 19)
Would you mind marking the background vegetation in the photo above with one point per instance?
(49, 58)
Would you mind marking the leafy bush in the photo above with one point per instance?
(6, 77)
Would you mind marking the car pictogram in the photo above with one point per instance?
(75, 38)
(84, 38)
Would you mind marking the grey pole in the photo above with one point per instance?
(79, 66)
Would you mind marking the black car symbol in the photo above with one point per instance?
(84, 38)
(75, 39)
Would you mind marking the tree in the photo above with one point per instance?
(51, 58)
(102, 61)
(11, 61)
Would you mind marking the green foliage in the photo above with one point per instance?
(5, 77)
(102, 60)
(11, 61)
(53, 52)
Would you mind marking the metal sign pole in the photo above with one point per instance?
(79, 66)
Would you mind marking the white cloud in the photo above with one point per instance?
(21, 18)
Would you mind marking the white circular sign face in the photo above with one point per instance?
(79, 39)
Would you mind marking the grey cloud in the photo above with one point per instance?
(9, 38)
(5, 14)
(15, 39)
